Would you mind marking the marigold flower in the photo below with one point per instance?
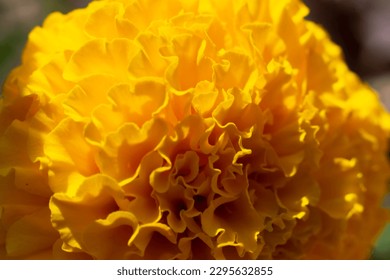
(201, 129)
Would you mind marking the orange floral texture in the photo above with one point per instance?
(199, 129)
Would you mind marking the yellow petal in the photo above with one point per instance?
(101, 57)
(140, 103)
(233, 217)
(69, 155)
(108, 238)
(94, 199)
(30, 234)
(101, 23)
(124, 150)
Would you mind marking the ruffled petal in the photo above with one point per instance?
(30, 234)
(202, 129)
(95, 198)
(101, 57)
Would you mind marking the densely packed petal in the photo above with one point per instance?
(202, 129)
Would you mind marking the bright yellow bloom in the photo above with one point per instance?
(140, 129)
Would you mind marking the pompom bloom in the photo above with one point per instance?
(140, 129)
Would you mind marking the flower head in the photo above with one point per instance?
(205, 129)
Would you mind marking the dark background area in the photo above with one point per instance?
(360, 27)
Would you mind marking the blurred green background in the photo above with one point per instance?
(361, 27)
